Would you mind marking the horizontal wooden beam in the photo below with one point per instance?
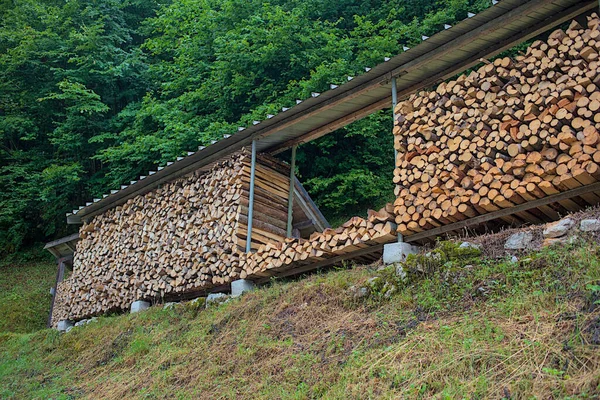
(595, 187)
(504, 212)
(322, 263)
(73, 237)
(333, 126)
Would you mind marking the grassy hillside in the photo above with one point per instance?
(25, 292)
(469, 328)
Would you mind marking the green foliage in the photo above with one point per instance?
(96, 93)
(25, 292)
(350, 170)
(446, 255)
(66, 71)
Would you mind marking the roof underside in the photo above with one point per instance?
(435, 59)
(63, 247)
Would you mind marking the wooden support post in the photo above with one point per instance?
(290, 216)
(394, 103)
(251, 197)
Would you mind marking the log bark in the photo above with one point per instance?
(513, 131)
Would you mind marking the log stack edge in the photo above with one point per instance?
(510, 132)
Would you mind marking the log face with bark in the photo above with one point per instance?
(513, 131)
(188, 234)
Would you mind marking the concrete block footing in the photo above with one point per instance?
(139, 305)
(64, 325)
(397, 252)
(240, 286)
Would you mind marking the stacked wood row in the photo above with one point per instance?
(62, 302)
(270, 209)
(175, 239)
(189, 235)
(112, 292)
(357, 233)
(510, 132)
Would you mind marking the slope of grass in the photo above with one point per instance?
(25, 292)
(488, 329)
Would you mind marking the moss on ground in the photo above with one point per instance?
(472, 328)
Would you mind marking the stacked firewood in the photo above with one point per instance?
(512, 131)
(62, 302)
(94, 289)
(190, 235)
(355, 234)
(270, 209)
(187, 234)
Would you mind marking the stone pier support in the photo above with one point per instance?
(397, 252)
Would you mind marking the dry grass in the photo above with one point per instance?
(502, 330)
(25, 294)
(487, 357)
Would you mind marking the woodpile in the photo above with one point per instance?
(186, 235)
(62, 302)
(355, 234)
(512, 131)
(109, 290)
(271, 188)
(190, 235)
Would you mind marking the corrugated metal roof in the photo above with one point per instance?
(435, 59)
